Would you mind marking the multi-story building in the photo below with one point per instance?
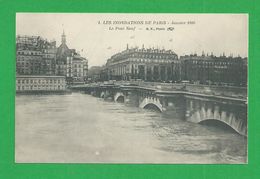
(35, 56)
(29, 83)
(164, 65)
(146, 64)
(69, 63)
(207, 69)
(79, 68)
(49, 58)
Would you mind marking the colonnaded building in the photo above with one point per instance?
(141, 63)
(164, 66)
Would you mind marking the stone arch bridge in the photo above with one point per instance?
(193, 107)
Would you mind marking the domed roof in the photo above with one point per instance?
(63, 51)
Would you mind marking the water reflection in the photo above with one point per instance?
(79, 128)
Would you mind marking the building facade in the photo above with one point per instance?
(35, 56)
(220, 70)
(164, 66)
(95, 73)
(69, 63)
(28, 83)
(146, 64)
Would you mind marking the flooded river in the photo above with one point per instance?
(80, 128)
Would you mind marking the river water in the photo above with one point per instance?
(80, 128)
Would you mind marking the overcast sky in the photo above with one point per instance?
(215, 33)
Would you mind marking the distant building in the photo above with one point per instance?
(29, 83)
(94, 73)
(35, 56)
(104, 74)
(69, 63)
(146, 64)
(207, 69)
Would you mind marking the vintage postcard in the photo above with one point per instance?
(131, 88)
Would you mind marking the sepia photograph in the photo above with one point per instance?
(145, 88)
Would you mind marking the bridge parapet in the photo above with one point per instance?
(225, 91)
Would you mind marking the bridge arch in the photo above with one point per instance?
(153, 107)
(152, 102)
(229, 119)
(102, 94)
(119, 96)
(217, 123)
